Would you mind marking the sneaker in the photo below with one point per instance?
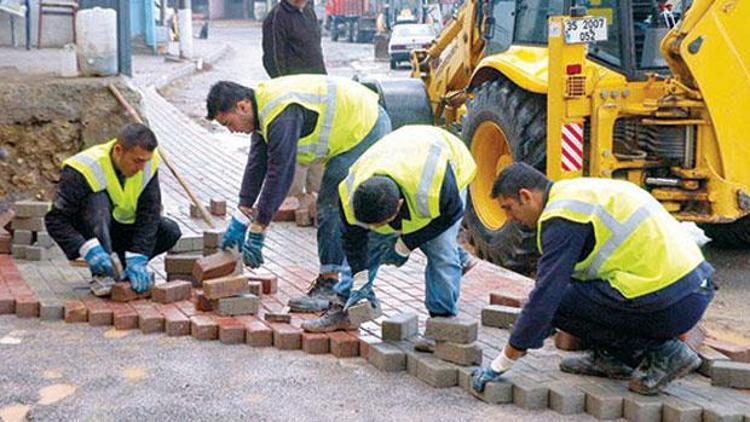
(101, 286)
(317, 298)
(672, 360)
(469, 265)
(424, 344)
(333, 319)
(597, 363)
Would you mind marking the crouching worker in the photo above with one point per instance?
(108, 200)
(405, 192)
(616, 270)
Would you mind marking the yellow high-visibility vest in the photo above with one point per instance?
(640, 248)
(347, 111)
(96, 166)
(416, 158)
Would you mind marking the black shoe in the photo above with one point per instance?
(318, 295)
(424, 344)
(597, 363)
(672, 360)
(333, 319)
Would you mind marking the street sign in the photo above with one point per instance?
(585, 30)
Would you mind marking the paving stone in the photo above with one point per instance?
(638, 408)
(204, 328)
(180, 264)
(202, 303)
(231, 331)
(400, 327)
(676, 410)
(255, 288)
(175, 322)
(566, 398)
(36, 253)
(529, 395)
(723, 373)
(735, 352)
(709, 356)
(602, 403)
(464, 377)
(44, 240)
(75, 311)
(121, 292)
(125, 317)
(100, 314)
(34, 224)
(217, 288)
(568, 342)
(149, 319)
(343, 344)
(387, 357)
(365, 341)
(23, 237)
(460, 354)
(220, 264)
(437, 373)
(246, 304)
(7, 302)
(195, 211)
(457, 329)
(511, 299)
(278, 317)
(24, 209)
(5, 242)
(18, 251)
(286, 337)
(212, 238)
(218, 207)
(51, 309)
(499, 316)
(27, 306)
(412, 359)
(286, 210)
(722, 414)
(269, 281)
(184, 277)
(315, 343)
(210, 251)
(495, 392)
(171, 291)
(258, 334)
(188, 243)
(302, 218)
(363, 312)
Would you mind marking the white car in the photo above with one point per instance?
(407, 37)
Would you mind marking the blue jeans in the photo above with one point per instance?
(445, 262)
(330, 245)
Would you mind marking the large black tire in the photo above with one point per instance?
(522, 117)
(734, 235)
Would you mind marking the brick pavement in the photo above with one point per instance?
(214, 170)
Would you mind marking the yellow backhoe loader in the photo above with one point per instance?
(649, 91)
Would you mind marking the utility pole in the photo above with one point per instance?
(185, 18)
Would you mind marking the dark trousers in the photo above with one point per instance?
(627, 333)
(97, 222)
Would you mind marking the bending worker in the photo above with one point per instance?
(406, 192)
(108, 200)
(616, 270)
(314, 118)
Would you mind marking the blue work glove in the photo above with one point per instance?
(252, 252)
(361, 289)
(481, 376)
(398, 255)
(235, 234)
(98, 259)
(137, 272)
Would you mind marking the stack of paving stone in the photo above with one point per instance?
(30, 238)
(224, 290)
(180, 260)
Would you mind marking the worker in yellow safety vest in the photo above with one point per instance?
(616, 270)
(406, 192)
(108, 200)
(300, 119)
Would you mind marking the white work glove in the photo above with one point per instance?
(500, 365)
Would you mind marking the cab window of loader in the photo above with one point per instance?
(608, 51)
(531, 20)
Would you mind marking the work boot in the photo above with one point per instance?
(333, 319)
(672, 360)
(424, 344)
(469, 265)
(318, 295)
(597, 363)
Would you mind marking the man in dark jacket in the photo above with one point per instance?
(108, 200)
(291, 40)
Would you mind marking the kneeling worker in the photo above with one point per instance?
(405, 192)
(108, 200)
(616, 270)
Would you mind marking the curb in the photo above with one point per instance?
(189, 68)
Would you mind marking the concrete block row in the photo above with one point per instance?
(500, 316)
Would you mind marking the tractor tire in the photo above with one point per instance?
(734, 235)
(503, 124)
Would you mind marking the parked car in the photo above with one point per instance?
(407, 37)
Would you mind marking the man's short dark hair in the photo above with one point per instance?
(224, 96)
(376, 199)
(518, 176)
(137, 135)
